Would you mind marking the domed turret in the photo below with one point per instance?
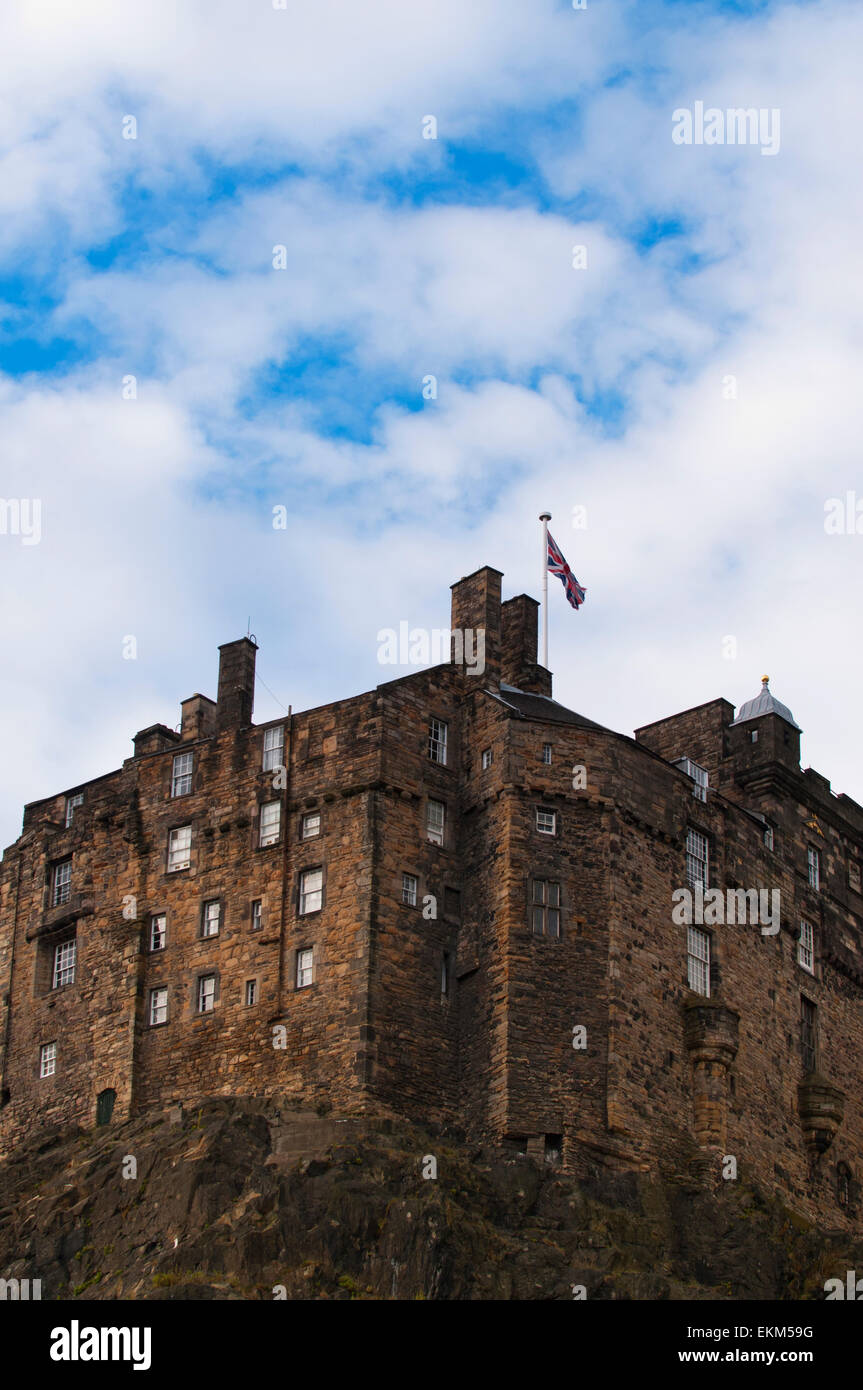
(765, 702)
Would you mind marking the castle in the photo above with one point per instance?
(455, 899)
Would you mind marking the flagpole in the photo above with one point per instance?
(545, 518)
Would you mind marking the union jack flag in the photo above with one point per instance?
(557, 565)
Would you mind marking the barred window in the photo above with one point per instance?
(808, 1033)
(274, 748)
(435, 817)
(72, 803)
(271, 819)
(305, 967)
(158, 932)
(61, 882)
(813, 868)
(179, 848)
(806, 947)
(437, 740)
(181, 781)
(546, 821)
(47, 1059)
(212, 918)
(698, 960)
(697, 866)
(158, 1006)
(409, 889)
(206, 994)
(311, 890)
(64, 964)
(545, 907)
(311, 825)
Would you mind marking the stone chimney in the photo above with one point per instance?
(199, 717)
(236, 696)
(518, 665)
(475, 624)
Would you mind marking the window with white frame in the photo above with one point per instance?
(212, 918)
(181, 780)
(274, 748)
(435, 819)
(179, 848)
(271, 819)
(206, 994)
(311, 890)
(545, 907)
(61, 882)
(486, 759)
(437, 740)
(305, 967)
(257, 914)
(546, 752)
(813, 868)
(806, 947)
(158, 1006)
(546, 821)
(698, 776)
(158, 931)
(72, 804)
(311, 825)
(251, 992)
(410, 884)
(698, 960)
(697, 865)
(47, 1059)
(65, 953)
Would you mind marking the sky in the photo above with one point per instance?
(403, 276)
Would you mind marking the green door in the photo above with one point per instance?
(105, 1106)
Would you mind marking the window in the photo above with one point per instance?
(179, 849)
(546, 752)
(251, 992)
(808, 1027)
(72, 802)
(843, 1184)
(257, 914)
(698, 960)
(768, 837)
(271, 819)
(437, 741)
(697, 774)
(486, 759)
(274, 748)
(813, 868)
(206, 994)
(311, 891)
(47, 1059)
(158, 1007)
(305, 967)
(545, 913)
(546, 822)
(181, 781)
(212, 918)
(435, 816)
(753, 736)
(444, 973)
(158, 932)
(806, 947)
(854, 875)
(697, 866)
(409, 889)
(61, 882)
(64, 964)
(311, 825)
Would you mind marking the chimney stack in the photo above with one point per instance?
(236, 695)
(476, 609)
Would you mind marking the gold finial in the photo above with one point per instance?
(764, 680)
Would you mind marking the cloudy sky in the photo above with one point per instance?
(696, 386)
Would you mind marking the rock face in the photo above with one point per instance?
(252, 1199)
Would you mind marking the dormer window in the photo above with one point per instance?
(697, 774)
(72, 804)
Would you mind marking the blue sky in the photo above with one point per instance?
(695, 386)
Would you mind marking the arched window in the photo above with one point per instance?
(105, 1106)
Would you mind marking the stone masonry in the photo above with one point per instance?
(451, 898)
